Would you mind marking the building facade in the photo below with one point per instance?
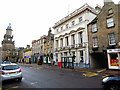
(38, 49)
(104, 34)
(8, 47)
(71, 36)
(49, 47)
(27, 54)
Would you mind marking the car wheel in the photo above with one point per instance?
(19, 79)
(113, 87)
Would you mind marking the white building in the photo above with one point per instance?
(71, 36)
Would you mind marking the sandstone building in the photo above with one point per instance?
(104, 34)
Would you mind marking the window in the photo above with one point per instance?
(111, 38)
(67, 26)
(57, 30)
(81, 56)
(110, 11)
(51, 50)
(73, 39)
(67, 42)
(48, 51)
(52, 41)
(56, 43)
(94, 27)
(80, 19)
(73, 23)
(61, 28)
(45, 43)
(80, 37)
(61, 42)
(110, 22)
(95, 42)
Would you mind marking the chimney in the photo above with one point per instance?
(108, 1)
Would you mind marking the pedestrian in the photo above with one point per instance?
(30, 61)
(53, 62)
(23, 61)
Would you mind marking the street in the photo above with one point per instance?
(53, 78)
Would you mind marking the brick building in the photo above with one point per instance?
(104, 34)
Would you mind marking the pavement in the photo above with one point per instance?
(87, 71)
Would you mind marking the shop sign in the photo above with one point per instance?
(113, 50)
(114, 62)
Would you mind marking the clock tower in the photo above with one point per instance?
(8, 45)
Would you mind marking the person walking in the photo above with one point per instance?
(23, 61)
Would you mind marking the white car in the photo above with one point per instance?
(11, 71)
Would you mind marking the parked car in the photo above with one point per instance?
(111, 83)
(11, 71)
(1, 62)
(7, 62)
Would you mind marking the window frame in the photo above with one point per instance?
(95, 42)
(110, 22)
(94, 27)
(80, 19)
(111, 39)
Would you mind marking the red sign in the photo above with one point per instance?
(114, 62)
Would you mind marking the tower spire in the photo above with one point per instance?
(9, 27)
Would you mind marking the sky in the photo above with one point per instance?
(30, 19)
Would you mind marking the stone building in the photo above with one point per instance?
(71, 36)
(19, 53)
(38, 49)
(104, 34)
(8, 47)
(49, 47)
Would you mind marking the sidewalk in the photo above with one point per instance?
(50, 66)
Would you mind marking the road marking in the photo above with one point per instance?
(23, 78)
(104, 76)
(15, 87)
(89, 74)
(33, 83)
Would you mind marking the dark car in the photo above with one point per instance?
(111, 83)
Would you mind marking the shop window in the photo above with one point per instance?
(114, 59)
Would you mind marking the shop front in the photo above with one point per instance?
(113, 58)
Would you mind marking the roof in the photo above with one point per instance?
(76, 12)
(8, 64)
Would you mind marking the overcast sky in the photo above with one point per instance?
(30, 19)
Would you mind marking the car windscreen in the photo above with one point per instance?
(10, 67)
